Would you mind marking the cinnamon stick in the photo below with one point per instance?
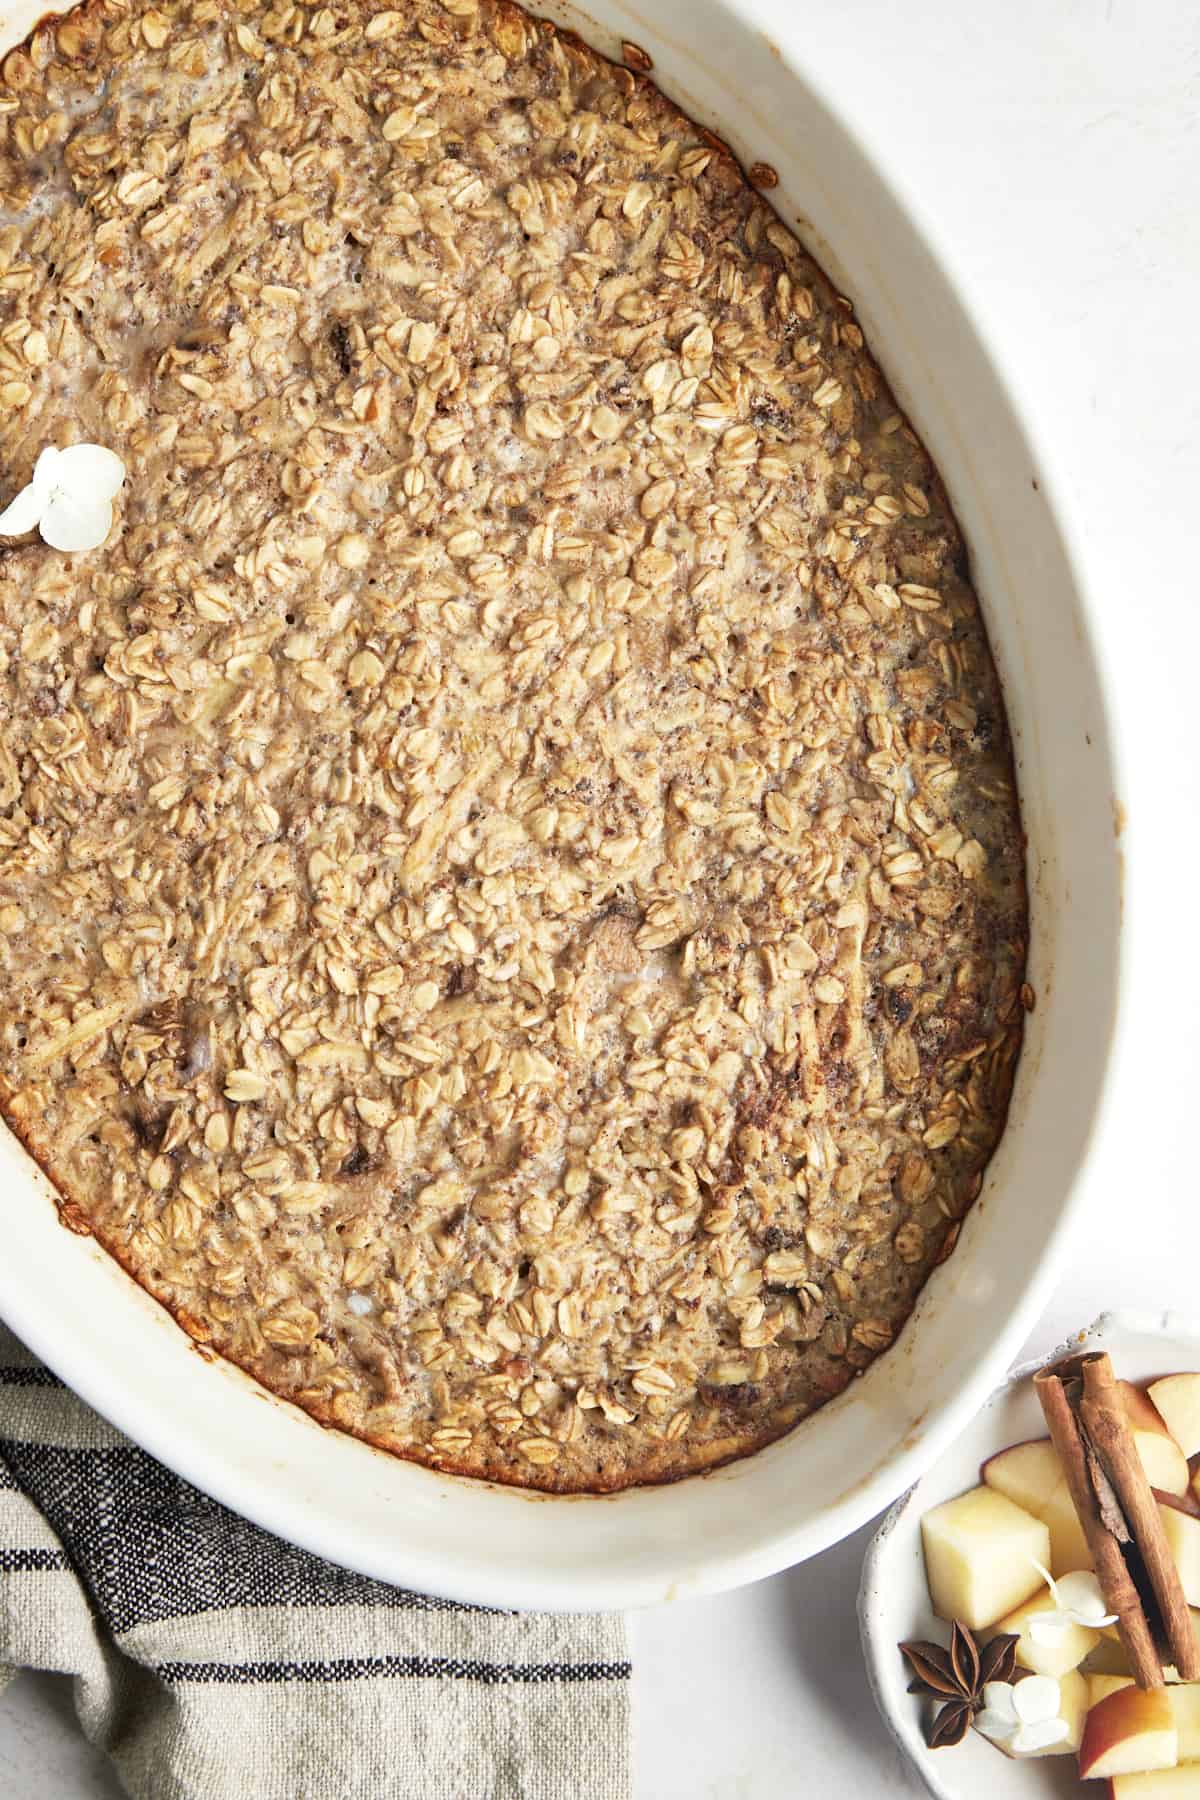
(1104, 1420)
(1112, 1572)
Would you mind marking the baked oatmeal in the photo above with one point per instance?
(511, 885)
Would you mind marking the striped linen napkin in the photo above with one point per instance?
(215, 1662)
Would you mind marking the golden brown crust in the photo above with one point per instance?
(511, 888)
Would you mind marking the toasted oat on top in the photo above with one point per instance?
(511, 893)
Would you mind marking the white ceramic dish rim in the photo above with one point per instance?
(123, 1353)
(1109, 1331)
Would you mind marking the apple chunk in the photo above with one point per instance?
(1182, 1783)
(1068, 1545)
(1030, 1475)
(1161, 1458)
(1027, 1474)
(1046, 1659)
(1101, 1686)
(1129, 1731)
(980, 1556)
(1177, 1400)
(1072, 1707)
(1185, 1710)
(1182, 1532)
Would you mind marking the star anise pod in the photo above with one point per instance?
(950, 1726)
(964, 1660)
(957, 1677)
(998, 1660)
(933, 1672)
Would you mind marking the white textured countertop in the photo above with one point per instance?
(1053, 148)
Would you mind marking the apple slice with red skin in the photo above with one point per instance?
(1130, 1731)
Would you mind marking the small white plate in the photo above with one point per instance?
(893, 1600)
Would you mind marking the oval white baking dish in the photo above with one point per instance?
(472, 1541)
